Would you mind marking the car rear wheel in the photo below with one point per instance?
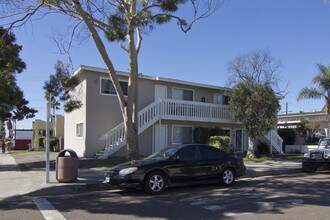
(309, 167)
(155, 183)
(227, 177)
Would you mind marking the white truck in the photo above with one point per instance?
(320, 157)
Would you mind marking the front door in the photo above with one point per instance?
(160, 137)
(160, 92)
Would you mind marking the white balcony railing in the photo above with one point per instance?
(195, 111)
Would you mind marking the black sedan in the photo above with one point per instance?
(177, 165)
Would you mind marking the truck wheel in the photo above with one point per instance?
(309, 167)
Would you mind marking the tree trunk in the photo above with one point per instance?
(251, 148)
(328, 117)
(131, 122)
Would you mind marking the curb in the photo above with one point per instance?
(252, 174)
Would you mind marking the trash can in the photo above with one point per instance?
(67, 166)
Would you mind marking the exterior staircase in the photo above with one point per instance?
(115, 139)
(273, 140)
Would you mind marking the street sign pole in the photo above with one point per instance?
(47, 139)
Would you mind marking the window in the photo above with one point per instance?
(182, 135)
(183, 94)
(221, 99)
(188, 153)
(43, 133)
(108, 88)
(80, 130)
(208, 153)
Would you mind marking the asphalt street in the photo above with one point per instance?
(293, 196)
(273, 189)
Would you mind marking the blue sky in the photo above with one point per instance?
(296, 31)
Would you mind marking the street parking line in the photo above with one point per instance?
(47, 210)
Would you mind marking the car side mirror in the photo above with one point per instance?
(177, 157)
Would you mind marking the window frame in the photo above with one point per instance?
(224, 97)
(79, 131)
(112, 94)
(182, 89)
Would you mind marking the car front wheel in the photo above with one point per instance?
(227, 177)
(155, 183)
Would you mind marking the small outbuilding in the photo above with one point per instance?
(22, 139)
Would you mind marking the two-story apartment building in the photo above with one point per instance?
(169, 111)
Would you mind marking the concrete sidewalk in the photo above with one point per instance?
(32, 182)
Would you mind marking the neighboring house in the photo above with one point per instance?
(56, 129)
(292, 120)
(22, 139)
(169, 111)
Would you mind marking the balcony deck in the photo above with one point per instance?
(172, 109)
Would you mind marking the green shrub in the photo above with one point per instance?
(221, 142)
(201, 135)
(41, 142)
(288, 135)
(53, 143)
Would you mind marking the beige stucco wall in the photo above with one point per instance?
(100, 113)
(77, 116)
(59, 126)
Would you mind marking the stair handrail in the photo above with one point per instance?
(149, 115)
(115, 138)
(275, 140)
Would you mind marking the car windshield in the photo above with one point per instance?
(164, 153)
(324, 143)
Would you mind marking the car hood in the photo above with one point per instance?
(317, 151)
(135, 163)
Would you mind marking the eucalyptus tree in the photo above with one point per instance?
(321, 90)
(58, 87)
(123, 22)
(253, 100)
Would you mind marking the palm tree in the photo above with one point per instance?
(321, 90)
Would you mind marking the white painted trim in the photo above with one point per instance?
(154, 135)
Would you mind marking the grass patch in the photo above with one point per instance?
(275, 158)
(294, 157)
(257, 159)
(19, 152)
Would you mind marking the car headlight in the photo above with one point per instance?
(306, 155)
(128, 171)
